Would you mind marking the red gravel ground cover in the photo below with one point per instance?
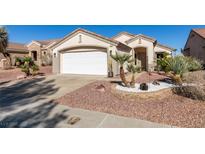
(146, 77)
(11, 74)
(173, 110)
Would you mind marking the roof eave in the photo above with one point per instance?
(112, 42)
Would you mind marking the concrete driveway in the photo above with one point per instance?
(29, 103)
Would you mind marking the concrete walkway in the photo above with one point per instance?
(91, 119)
(30, 103)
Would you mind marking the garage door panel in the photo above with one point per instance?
(93, 63)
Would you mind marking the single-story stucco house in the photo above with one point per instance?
(195, 44)
(85, 52)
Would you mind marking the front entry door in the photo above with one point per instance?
(141, 60)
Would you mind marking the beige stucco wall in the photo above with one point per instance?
(69, 44)
(86, 41)
(149, 48)
(14, 55)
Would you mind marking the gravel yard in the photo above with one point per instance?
(173, 110)
(12, 74)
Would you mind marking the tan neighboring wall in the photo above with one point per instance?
(14, 50)
(13, 56)
(195, 46)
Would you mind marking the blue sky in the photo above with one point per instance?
(174, 36)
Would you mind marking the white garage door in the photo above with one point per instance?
(93, 63)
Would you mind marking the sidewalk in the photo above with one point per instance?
(92, 119)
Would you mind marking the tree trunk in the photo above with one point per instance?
(8, 58)
(132, 83)
(122, 76)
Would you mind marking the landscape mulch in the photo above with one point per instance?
(173, 110)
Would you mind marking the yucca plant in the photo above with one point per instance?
(29, 67)
(133, 69)
(177, 66)
(122, 59)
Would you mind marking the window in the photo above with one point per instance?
(54, 55)
(44, 53)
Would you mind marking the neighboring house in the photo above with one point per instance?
(38, 50)
(195, 45)
(85, 52)
(15, 50)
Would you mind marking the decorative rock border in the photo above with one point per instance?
(160, 94)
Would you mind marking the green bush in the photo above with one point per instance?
(178, 65)
(19, 61)
(34, 69)
(29, 67)
(162, 64)
(194, 64)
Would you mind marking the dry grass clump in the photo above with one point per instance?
(197, 77)
(197, 91)
(193, 92)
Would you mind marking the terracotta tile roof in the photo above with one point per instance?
(17, 47)
(47, 42)
(200, 31)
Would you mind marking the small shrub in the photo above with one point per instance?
(194, 64)
(18, 61)
(34, 69)
(162, 64)
(29, 67)
(193, 92)
(196, 77)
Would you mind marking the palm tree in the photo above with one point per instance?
(121, 59)
(133, 69)
(4, 42)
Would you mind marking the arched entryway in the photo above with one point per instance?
(140, 57)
